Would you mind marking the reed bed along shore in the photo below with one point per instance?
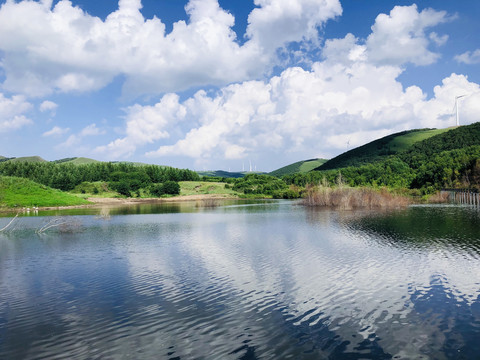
(347, 198)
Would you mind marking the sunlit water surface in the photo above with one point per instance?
(273, 280)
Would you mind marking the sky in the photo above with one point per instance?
(222, 84)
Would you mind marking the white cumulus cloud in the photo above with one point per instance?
(12, 112)
(277, 22)
(302, 112)
(469, 57)
(349, 98)
(146, 124)
(402, 36)
(48, 105)
(64, 49)
(56, 131)
(76, 139)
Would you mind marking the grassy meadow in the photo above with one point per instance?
(20, 192)
(204, 188)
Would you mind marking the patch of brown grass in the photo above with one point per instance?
(347, 198)
(208, 203)
(439, 197)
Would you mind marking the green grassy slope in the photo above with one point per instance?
(457, 138)
(202, 188)
(82, 161)
(380, 149)
(20, 192)
(28, 159)
(298, 167)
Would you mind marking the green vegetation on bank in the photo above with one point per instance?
(101, 179)
(417, 162)
(298, 167)
(18, 192)
(265, 186)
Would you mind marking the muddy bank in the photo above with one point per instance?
(102, 202)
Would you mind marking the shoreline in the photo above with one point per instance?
(102, 202)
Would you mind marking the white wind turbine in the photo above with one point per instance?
(456, 108)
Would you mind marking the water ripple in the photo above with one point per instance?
(275, 281)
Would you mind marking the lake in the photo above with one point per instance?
(243, 280)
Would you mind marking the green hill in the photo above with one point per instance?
(28, 159)
(448, 159)
(380, 149)
(20, 192)
(461, 137)
(75, 161)
(298, 167)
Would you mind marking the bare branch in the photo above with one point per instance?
(10, 223)
(66, 225)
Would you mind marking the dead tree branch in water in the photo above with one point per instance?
(10, 223)
(65, 224)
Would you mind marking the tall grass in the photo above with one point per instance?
(347, 198)
(439, 197)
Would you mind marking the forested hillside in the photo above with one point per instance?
(380, 149)
(448, 160)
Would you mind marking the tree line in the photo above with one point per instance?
(125, 176)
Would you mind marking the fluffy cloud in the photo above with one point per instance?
(76, 139)
(12, 112)
(308, 113)
(469, 57)
(351, 97)
(65, 49)
(401, 36)
(396, 39)
(56, 131)
(146, 124)
(91, 130)
(277, 22)
(48, 105)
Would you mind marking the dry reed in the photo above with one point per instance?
(347, 198)
(208, 203)
(439, 197)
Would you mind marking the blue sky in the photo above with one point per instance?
(207, 84)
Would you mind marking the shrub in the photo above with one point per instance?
(171, 188)
(156, 190)
(167, 188)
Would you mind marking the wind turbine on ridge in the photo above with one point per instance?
(456, 108)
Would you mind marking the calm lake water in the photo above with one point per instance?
(271, 280)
